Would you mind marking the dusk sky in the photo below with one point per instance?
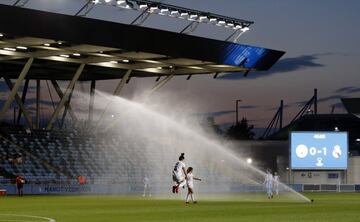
(321, 40)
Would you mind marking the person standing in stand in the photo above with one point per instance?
(20, 181)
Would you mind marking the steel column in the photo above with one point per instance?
(159, 85)
(315, 101)
(23, 98)
(37, 122)
(67, 105)
(19, 102)
(61, 95)
(14, 90)
(65, 97)
(92, 100)
(122, 83)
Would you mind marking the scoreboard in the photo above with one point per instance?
(319, 150)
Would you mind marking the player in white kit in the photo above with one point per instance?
(269, 184)
(146, 182)
(276, 183)
(190, 185)
(179, 174)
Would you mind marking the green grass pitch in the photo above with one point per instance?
(328, 207)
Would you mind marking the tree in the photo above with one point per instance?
(241, 131)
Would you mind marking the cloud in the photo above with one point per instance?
(5, 88)
(30, 102)
(248, 107)
(215, 114)
(322, 100)
(276, 108)
(282, 66)
(225, 112)
(348, 90)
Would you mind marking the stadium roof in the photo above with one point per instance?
(352, 105)
(59, 43)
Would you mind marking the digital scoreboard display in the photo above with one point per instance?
(319, 150)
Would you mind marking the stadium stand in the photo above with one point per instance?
(60, 156)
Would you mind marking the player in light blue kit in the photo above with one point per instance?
(269, 180)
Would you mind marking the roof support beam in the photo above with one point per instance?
(122, 82)
(14, 90)
(20, 3)
(67, 105)
(158, 85)
(23, 98)
(142, 17)
(38, 95)
(92, 100)
(19, 101)
(65, 97)
(89, 5)
(61, 95)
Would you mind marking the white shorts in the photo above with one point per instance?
(178, 178)
(190, 185)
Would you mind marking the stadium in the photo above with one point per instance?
(94, 155)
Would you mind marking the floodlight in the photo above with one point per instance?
(77, 54)
(125, 60)
(249, 160)
(47, 44)
(230, 24)
(121, 3)
(1, 35)
(213, 20)
(175, 13)
(154, 9)
(164, 11)
(65, 56)
(220, 23)
(143, 7)
(21, 47)
(193, 17)
(184, 15)
(245, 29)
(114, 62)
(157, 7)
(204, 19)
(10, 49)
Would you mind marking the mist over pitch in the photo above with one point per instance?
(149, 141)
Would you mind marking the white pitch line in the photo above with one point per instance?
(27, 216)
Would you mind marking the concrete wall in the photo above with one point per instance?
(353, 173)
(351, 176)
(318, 177)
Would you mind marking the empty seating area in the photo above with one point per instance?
(60, 156)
